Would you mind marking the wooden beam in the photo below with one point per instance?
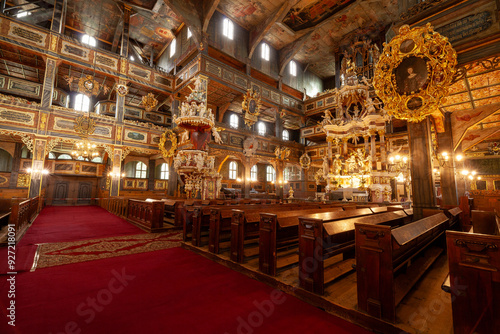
(118, 35)
(257, 34)
(189, 13)
(209, 7)
(289, 51)
(474, 137)
(462, 121)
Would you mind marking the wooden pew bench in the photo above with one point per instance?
(474, 278)
(326, 243)
(390, 261)
(246, 226)
(147, 215)
(22, 213)
(221, 222)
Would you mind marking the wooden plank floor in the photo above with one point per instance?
(425, 309)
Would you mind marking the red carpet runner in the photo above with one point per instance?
(64, 224)
(167, 291)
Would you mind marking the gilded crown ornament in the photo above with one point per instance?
(149, 101)
(414, 73)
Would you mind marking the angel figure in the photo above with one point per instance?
(327, 118)
(325, 165)
(201, 110)
(337, 164)
(216, 135)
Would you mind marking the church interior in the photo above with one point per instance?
(250, 166)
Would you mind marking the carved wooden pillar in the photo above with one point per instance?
(172, 180)
(383, 150)
(37, 166)
(448, 182)
(59, 16)
(278, 125)
(114, 189)
(424, 192)
(125, 33)
(120, 106)
(16, 165)
(48, 82)
(247, 179)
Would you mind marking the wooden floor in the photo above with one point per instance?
(425, 309)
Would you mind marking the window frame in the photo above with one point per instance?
(285, 131)
(293, 68)
(89, 40)
(270, 174)
(233, 170)
(79, 105)
(261, 126)
(164, 174)
(143, 172)
(253, 173)
(265, 51)
(237, 121)
(173, 47)
(228, 28)
(189, 33)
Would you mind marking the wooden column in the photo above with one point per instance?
(152, 175)
(125, 32)
(247, 182)
(448, 182)
(172, 180)
(48, 82)
(424, 192)
(383, 150)
(37, 166)
(114, 189)
(59, 16)
(120, 106)
(16, 165)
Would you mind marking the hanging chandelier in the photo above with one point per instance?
(85, 149)
(84, 127)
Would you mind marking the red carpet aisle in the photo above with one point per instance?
(64, 224)
(167, 291)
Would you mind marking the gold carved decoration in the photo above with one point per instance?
(149, 101)
(84, 126)
(121, 90)
(305, 161)
(168, 136)
(88, 85)
(23, 180)
(414, 73)
(251, 106)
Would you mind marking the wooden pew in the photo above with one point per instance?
(453, 214)
(484, 222)
(245, 226)
(323, 239)
(23, 213)
(474, 279)
(148, 215)
(383, 253)
(221, 220)
(5, 210)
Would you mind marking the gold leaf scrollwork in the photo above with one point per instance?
(414, 73)
(170, 136)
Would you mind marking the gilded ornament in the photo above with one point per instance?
(251, 106)
(121, 90)
(170, 136)
(87, 85)
(414, 73)
(84, 126)
(149, 101)
(305, 161)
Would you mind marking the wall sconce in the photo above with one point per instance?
(445, 159)
(116, 175)
(238, 180)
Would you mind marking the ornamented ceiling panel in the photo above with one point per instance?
(308, 13)
(247, 13)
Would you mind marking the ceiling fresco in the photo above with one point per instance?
(247, 13)
(307, 13)
(95, 19)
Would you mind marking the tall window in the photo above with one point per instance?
(86, 39)
(228, 28)
(189, 34)
(233, 121)
(286, 135)
(164, 171)
(270, 174)
(265, 51)
(261, 128)
(233, 170)
(140, 170)
(172, 47)
(286, 174)
(253, 173)
(293, 68)
(82, 102)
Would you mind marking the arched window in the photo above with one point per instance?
(52, 155)
(228, 28)
(233, 121)
(286, 135)
(97, 160)
(270, 174)
(64, 156)
(5, 161)
(233, 170)
(261, 128)
(164, 171)
(140, 170)
(82, 103)
(253, 173)
(286, 174)
(86, 39)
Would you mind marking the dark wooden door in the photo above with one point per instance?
(84, 192)
(61, 192)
